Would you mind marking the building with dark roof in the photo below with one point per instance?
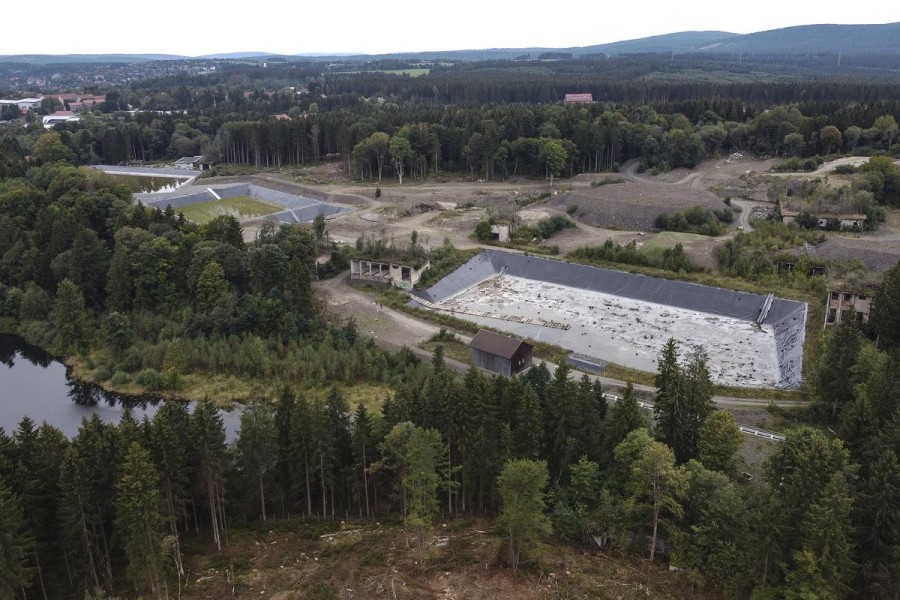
(499, 353)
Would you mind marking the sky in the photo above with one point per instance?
(195, 28)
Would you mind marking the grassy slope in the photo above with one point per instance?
(242, 207)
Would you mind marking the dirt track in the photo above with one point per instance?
(392, 330)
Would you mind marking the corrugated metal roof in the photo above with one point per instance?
(494, 343)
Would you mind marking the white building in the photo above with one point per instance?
(60, 116)
(188, 163)
(25, 103)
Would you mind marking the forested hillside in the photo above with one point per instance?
(146, 301)
(163, 299)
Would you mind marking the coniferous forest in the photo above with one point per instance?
(545, 458)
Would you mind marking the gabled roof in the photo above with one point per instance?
(188, 160)
(496, 344)
(579, 98)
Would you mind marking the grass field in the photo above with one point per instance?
(668, 239)
(241, 208)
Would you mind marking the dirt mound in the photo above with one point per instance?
(875, 255)
(632, 206)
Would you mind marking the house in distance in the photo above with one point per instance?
(499, 353)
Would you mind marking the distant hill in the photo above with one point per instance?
(685, 41)
(815, 39)
(47, 59)
(240, 55)
(803, 39)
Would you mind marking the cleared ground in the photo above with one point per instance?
(621, 330)
(242, 208)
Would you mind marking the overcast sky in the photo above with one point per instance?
(195, 27)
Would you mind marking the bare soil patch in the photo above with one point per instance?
(295, 559)
(632, 206)
(876, 255)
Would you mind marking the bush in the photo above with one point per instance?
(103, 373)
(151, 380)
(696, 219)
(846, 169)
(378, 192)
(120, 378)
(670, 259)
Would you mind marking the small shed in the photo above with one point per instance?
(188, 163)
(499, 353)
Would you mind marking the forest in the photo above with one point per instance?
(145, 298)
(106, 511)
(484, 120)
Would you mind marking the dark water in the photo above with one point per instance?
(34, 384)
(148, 184)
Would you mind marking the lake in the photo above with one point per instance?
(34, 384)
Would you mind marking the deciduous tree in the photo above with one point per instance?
(521, 484)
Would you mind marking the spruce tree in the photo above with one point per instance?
(884, 316)
(208, 438)
(625, 416)
(140, 521)
(15, 546)
(256, 448)
(169, 442)
(527, 432)
(668, 403)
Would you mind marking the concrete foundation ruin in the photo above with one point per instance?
(751, 340)
(297, 209)
(382, 272)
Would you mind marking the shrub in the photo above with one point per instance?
(670, 259)
(696, 219)
(120, 378)
(103, 373)
(378, 192)
(151, 380)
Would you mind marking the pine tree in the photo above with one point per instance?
(625, 416)
(827, 533)
(302, 450)
(140, 521)
(878, 531)
(833, 386)
(885, 313)
(561, 415)
(654, 482)
(720, 439)
(87, 483)
(422, 455)
(37, 485)
(527, 432)
(169, 441)
(363, 446)
(256, 448)
(668, 406)
(15, 546)
(208, 438)
(70, 318)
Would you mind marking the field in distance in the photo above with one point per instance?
(241, 208)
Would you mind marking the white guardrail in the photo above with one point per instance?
(752, 431)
